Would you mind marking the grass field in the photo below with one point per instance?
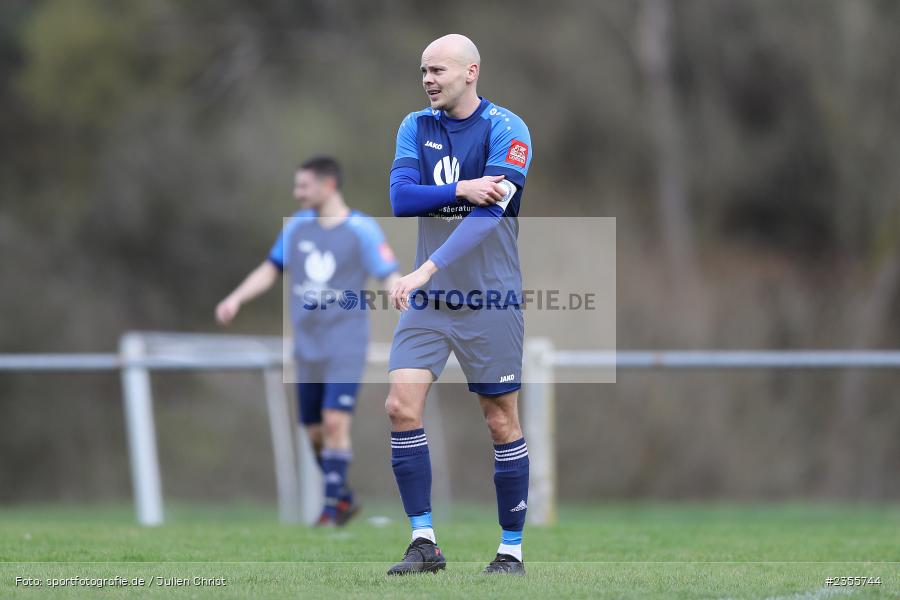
(640, 551)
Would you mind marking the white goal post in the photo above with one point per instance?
(142, 353)
(298, 480)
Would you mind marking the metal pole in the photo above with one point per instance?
(540, 430)
(312, 496)
(437, 447)
(569, 359)
(728, 359)
(282, 448)
(141, 432)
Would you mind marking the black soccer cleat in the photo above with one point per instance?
(506, 565)
(346, 510)
(422, 556)
(324, 521)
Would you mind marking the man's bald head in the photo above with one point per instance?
(455, 47)
(450, 68)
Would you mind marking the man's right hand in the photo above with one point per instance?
(483, 191)
(227, 310)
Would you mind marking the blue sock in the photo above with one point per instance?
(334, 467)
(421, 527)
(412, 470)
(511, 483)
(346, 493)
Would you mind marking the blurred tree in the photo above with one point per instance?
(747, 149)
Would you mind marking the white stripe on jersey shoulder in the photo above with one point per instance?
(425, 112)
(501, 117)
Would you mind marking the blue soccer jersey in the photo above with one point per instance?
(325, 264)
(492, 141)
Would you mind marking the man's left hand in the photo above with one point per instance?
(407, 284)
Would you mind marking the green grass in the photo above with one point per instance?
(640, 551)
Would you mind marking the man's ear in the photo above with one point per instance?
(472, 73)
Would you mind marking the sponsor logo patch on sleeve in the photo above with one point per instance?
(387, 255)
(518, 153)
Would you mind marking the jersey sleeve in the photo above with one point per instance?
(509, 150)
(278, 252)
(471, 231)
(377, 255)
(406, 154)
(410, 199)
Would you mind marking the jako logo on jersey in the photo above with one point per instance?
(510, 377)
(518, 153)
(446, 171)
(430, 144)
(345, 400)
(520, 506)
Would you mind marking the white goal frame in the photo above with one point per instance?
(298, 480)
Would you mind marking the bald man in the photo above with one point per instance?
(460, 166)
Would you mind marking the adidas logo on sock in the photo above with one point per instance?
(520, 506)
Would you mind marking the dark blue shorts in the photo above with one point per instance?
(331, 384)
(487, 343)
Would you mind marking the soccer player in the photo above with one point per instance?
(328, 249)
(460, 166)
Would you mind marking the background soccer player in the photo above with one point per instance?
(327, 248)
(461, 165)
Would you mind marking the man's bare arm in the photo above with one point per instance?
(260, 280)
